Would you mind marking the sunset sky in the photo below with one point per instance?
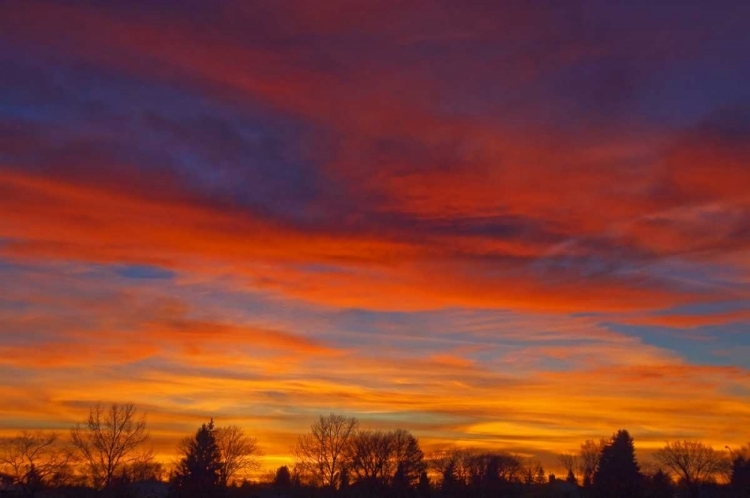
(516, 225)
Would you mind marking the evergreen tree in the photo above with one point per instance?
(740, 479)
(199, 472)
(540, 477)
(618, 474)
(344, 478)
(400, 481)
(424, 487)
(33, 482)
(571, 478)
(450, 482)
(660, 486)
(283, 477)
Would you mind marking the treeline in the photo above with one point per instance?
(108, 456)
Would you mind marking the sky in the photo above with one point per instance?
(515, 225)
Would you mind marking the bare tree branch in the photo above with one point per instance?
(239, 453)
(321, 453)
(693, 461)
(109, 439)
(34, 459)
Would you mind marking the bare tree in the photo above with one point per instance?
(33, 459)
(321, 453)
(142, 467)
(454, 465)
(569, 462)
(506, 467)
(369, 455)
(589, 459)
(380, 458)
(239, 453)
(443, 462)
(109, 439)
(693, 461)
(741, 452)
(407, 458)
(462, 466)
(534, 473)
(739, 470)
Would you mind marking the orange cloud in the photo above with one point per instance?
(73, 222)
(687, 321)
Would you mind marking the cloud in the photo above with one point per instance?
(275, 383)
(688, 321)
(402, 173)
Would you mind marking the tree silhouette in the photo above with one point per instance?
(540, 477)
(450, 480)
(400, 483)
(407, 458)
(453, 466)
(321, 454)
(570, 462)
(378, 458)
(693, 461)
(283, 477)
(660, 485)
(368, 456)
(571, 478)
(33, 459)
(344, 478)
(424, 487)
(109, 439)
(340, 460)
(239, 453)
(618, 474)
(198, 474)
(143, 467)
(534, 473)
(739, 481)
(589, 459)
